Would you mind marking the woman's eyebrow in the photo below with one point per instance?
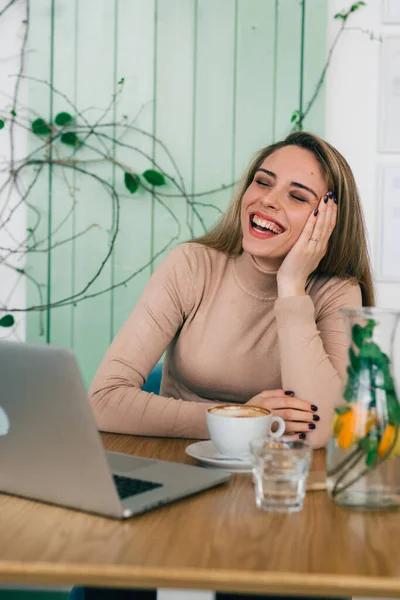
(294, 183)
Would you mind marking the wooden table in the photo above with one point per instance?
(216, 540)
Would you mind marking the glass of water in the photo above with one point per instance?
(280, 470)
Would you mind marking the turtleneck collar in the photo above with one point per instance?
(253, 279)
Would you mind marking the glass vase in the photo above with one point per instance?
(363, 458)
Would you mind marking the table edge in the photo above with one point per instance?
(190, 578)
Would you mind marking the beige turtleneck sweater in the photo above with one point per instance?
(227, 337)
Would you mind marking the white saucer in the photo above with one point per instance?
(206, 453)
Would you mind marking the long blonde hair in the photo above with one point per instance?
(347, 255)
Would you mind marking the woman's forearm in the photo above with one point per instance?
(126, 409)
(314, 355)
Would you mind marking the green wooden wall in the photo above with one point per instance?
(214, 80)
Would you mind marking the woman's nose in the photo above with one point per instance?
(271, 200)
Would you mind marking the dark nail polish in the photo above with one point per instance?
(311, 426)
(302, 436)
(289, 393)
(315, 418)
(316, 211)
(335, 199)
(326, 198)
(314, 408)
(330, 194)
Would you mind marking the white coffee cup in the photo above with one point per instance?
(233, 427)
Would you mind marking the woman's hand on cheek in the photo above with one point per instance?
(300, 416)
(309, 249)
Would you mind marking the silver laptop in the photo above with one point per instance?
(50, 449)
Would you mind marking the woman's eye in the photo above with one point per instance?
(298, 198)
(264, 183)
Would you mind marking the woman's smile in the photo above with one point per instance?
(263, 226)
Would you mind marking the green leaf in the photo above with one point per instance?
(356, 6)
(369, 328)
(131, 182)
(357, 334)
(361, 334)
(154, 177)
(370, 446)
(340, 16)
(350, 392)
(121, 81)
(63, 118)
(1, 123)
(294, 117)
(388, 382)
(70, 139)
(14, 114)
(7, 321)
(393, 408)
(371, 351)
(354, 360)
(340, 410)
(40, 127)
(372, 456)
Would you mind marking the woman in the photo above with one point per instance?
(248, 313)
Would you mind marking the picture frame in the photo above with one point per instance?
(389, 123)
(391, 12)
(387, 264)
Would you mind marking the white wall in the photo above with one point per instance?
(353, 117)
(11, 35)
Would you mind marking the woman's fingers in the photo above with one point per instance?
(296, 426)
(300, 416)
(291, 414)
(325, 222)
(280, 400)
(330, 220)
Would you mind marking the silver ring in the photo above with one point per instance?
(314, 239)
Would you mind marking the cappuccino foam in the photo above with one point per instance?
(239, 412)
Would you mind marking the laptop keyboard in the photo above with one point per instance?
(127, 487)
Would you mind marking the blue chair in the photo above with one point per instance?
(154, 380)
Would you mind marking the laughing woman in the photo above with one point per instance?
(248, 313)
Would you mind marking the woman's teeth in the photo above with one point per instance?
(262, 225)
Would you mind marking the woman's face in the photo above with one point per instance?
(275, 207)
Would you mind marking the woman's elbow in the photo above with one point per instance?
(99, 403)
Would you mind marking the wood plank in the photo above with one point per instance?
(135, 63)
(95, 206)
(64, 224)
(288, 48)
(314, 37)
(214, 89)
(174, 108)
(254, 92)
(39, 103)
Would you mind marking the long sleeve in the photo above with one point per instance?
(313, 346)
(117, 400)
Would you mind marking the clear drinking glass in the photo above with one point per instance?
(280, 471)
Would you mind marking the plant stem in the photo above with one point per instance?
(343, 463)
(367, 470)
(357, 457)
